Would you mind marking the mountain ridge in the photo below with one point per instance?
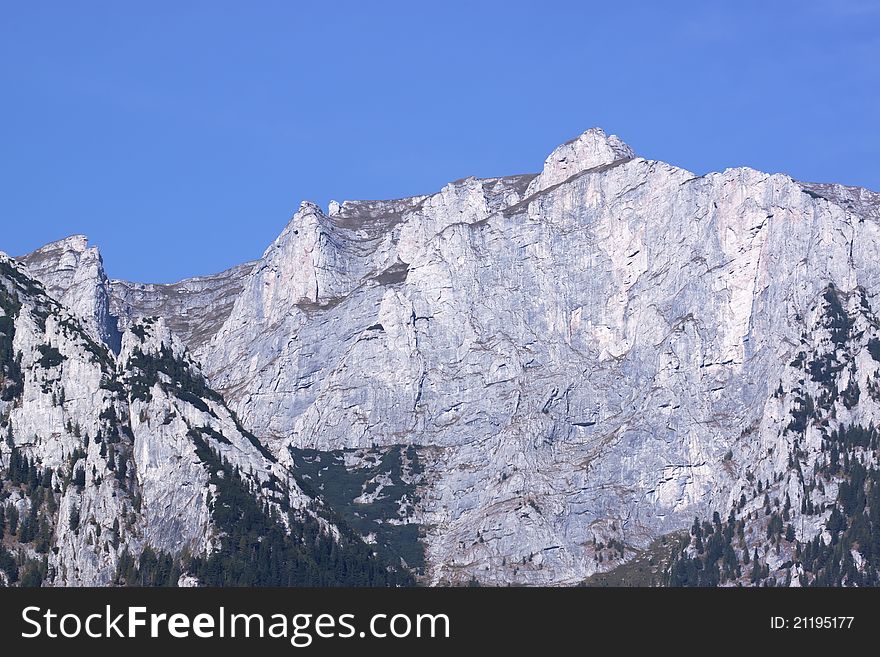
(838, 193)
(569, 356)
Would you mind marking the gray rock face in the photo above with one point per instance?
(51, 408)
(584, 346)
(74, 274)
(788, 463)
(588, 151)
(574, 353)
(173, 480)
(194, 308)
(113, 436)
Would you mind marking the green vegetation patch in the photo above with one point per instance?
(255, 549)
(326, 474)
(49, 357)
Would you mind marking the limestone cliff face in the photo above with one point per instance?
(74, 274)
(193, 308)
(581, 355)
(58, 410)
(583, 346)
(114, 440)
(588, 151)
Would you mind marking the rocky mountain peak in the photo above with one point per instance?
(591, 149)
(72, 243)
(73, 273)
(527, 379)
(63, 257)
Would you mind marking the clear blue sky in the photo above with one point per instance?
(181, 136)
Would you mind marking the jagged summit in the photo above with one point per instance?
(591, 149)
(531, 377)
(75, 243)
(73, 272)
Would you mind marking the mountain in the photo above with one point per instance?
(545, 378)
(74, 274)
(130, 469)
(195, 308)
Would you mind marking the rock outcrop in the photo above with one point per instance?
(582, 357)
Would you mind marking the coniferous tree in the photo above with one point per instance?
(73, 519)
(756, 568)
(79, 477)
(12, 519)
(51, 505)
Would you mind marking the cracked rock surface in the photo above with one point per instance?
(574, 352)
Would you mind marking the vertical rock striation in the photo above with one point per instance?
(585, 357)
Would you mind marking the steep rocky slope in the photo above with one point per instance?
(74, 274)
(579, 351)
(530, 379)
(807, 511)
(110, 462)
(194, 308)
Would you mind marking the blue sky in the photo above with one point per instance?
(181, 136)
